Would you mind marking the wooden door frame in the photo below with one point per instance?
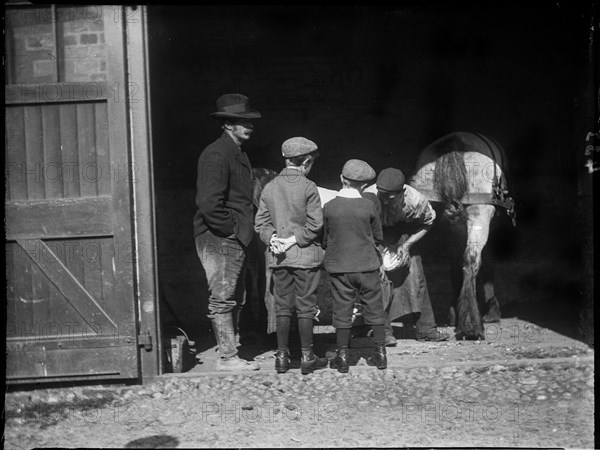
(143, 205)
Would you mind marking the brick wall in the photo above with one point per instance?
(30, 45)
(84, 50)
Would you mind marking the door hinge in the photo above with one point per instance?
(145, 340)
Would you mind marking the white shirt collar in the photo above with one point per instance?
(349, 193)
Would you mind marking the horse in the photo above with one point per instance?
(463, 175)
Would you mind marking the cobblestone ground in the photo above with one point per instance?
(501, 393)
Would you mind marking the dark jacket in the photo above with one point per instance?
(290, 205)
(224, 191)
(351, 233)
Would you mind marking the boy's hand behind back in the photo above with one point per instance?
(280, 245)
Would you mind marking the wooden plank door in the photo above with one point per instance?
(71, 304)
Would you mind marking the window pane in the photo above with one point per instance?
(81, 41)
(29, 46)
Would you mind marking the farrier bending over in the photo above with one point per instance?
(406, 217)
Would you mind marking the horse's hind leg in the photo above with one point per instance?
(469, 324)
(490, 305)
(457, 241)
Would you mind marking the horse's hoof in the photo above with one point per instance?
(490, 319)
(493, 313)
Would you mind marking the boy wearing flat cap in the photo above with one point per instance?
(290, 220)
(352, 234)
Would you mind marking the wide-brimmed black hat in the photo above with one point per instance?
(234, 106)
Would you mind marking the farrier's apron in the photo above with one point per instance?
(407, 284)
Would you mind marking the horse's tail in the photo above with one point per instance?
(450, 179)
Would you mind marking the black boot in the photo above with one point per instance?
(311, 362)
(340, 362)
(282, 360)
(379, 358)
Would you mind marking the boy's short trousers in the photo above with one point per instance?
(295, 288)
(345, 286)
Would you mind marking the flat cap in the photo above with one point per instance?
(358, 170)
(390, 180)
(297, 146)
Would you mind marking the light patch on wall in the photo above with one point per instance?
(40, 42)
(43, 68)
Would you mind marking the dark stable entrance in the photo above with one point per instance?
(376, 83)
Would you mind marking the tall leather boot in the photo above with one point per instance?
(340, 362)
(282, 360)
(378, 358)
(311, 362)
(224, 333)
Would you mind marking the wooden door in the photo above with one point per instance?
(71, 303)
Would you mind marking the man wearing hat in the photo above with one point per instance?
(289, 220)
(223, 223)
(406, 216)
(352, 233)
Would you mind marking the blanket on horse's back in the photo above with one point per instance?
(485, 173)
(463, 142)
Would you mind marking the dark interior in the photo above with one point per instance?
(381, 83)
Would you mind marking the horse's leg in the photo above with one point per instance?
(457, 241)
(491, 306)
(469, 324)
